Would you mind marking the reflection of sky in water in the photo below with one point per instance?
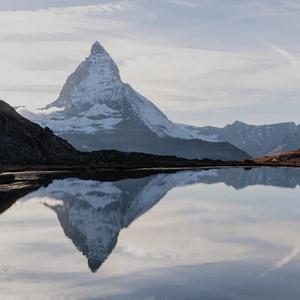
(201, 241)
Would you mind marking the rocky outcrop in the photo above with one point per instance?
(23, 142)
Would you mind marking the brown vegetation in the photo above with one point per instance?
(289, 159)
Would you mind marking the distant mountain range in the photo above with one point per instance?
(256, 140)
(96, 110)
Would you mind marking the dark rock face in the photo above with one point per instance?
(97, 48)
(23, 142)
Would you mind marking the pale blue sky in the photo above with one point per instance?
(201, 61)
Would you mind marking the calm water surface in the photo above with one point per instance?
(216, 234)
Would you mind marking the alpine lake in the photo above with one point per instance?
(228, 233)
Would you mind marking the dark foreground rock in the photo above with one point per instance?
(24, 142)
(7, 178)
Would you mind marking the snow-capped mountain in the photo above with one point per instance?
(256, 140)
(96, 110)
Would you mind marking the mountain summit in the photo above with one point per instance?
(96, 78)
(96, 110)
(97, 48)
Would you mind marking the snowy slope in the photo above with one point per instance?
(94, 97)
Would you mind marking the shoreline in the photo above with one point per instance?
(27, 178)
(11, 169)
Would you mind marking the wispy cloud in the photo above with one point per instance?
(64, 20)
(109, 7)
(282, 262)
(187, 3)
(285, 54)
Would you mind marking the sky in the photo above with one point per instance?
(202, 62)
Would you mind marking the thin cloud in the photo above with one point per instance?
(38, 4)
(285, 54)
(187, 3)
(64, 20)
(108, 8)
(32, 88)
(281, 263)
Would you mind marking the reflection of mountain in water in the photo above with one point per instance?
(92, 213)
(240, 178)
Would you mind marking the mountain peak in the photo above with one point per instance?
(97, 48)
(94, 81)
(237, 122)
